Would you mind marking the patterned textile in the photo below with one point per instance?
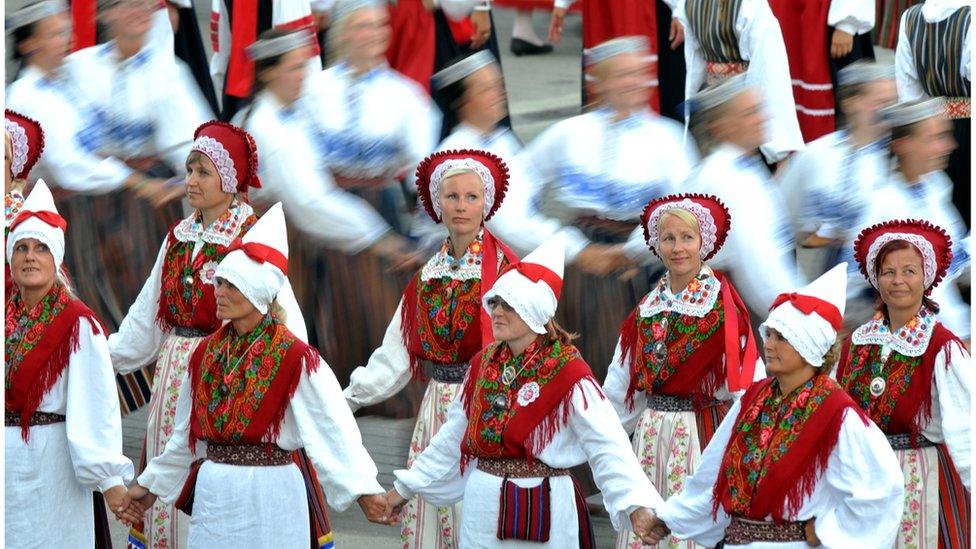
(888, 18)
(937, 50)
(866, 364)
(524, 513)
(713, 24)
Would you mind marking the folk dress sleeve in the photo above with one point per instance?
(385, 374)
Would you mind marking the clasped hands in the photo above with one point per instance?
(129, 504)
(383, 508)
(648, 526)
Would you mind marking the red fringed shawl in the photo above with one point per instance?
(443, 320)
(906, 404)
(38, 345)
(539, 400)
(241, 385)
(779, 448)
(191, 305)
(695, 345)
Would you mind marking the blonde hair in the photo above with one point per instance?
(278, 311)
(682, 214)
(457, 171)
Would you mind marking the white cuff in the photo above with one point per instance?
(109, 483)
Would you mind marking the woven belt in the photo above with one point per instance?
(184, 331)
(958, 107)
(716, 72)
(743, 532)
(519, 468)
(253, 455)
(445, 373)
(671, 403)
(903, 441)
(12, 419)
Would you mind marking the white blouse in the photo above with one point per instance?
(856, 502)
(317, 419)
(906, 73)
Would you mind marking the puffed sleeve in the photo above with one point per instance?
(615, 387)
(94, 421)
(851, 16)
(435, 474)
(385, 374)
(953, 393)
(761, 42)
(139, 338)
(332, 439)
(867, 489)
(166, 473)
(689, 513)
(906, 74)
(616, 470)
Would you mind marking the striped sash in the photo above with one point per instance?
(937, 49)
(955, 512)
(713, 24)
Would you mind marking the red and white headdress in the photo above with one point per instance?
(713, 218)
(532, 286)
(233, 152)
(932, 241)
(39, 219)
(257, 264)
(26, 140)
(491, 169)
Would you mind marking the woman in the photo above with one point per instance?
(23, 140)
(372, 126)
(437, 327)
(724, 38)
(63, 428)
(912, 376)
(176, 308)
(686, 350)
(794, 463)
(528, 410)
(254, 393)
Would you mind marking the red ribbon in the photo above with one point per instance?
(50, 218)
(261, 253)
(536, 272)
(83, 23)
(808, 305)
(243, 32)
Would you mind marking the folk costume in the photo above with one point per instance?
(780, 460)
(63, 429)
(681, 358)
(519, 423)
(437, 328)
(176, 308)
(247, 402)
(724, 38)
(26, 144)
(916, 384)
(596, 173)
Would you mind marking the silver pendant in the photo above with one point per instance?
(508, 375)
(878, 386)
(660, 351)
(499, 403)
(188, 280)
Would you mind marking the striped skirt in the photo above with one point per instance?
(937, 510)
(669, 447)
(426, 526)
(164, 525)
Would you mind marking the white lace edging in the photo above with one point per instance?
(189, 230)
(876, 332)
(217, 154)
(929, 264)
(650, 307)
(706, 224)
(461, 163)
(19, 145)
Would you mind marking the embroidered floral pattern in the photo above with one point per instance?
(909, 531)
(25, 328)
(443, 265)
(12, 203)
(866, 363)
(697, 299)
(765, 433)
(236, 373)
(911, 340)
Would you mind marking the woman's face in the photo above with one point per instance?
(203, 190)
(50, 42)
(901, 280)
(781, 357)
(32, 265)
(506, 324)
(484, 96)
(287, 77)
(131, 18)
(462, 199)
(366, 33)
(927, 146)
(680, 247)
(623, 81)
(231, 303)
(743, 121)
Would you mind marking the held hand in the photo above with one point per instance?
(811, 533)
(677, 33)
(603, 259)
(648, 526)
(168, 193)
(375, 508)
(142, 496)
(396, 503)
(841, 44)
(117, 498)
(556, 25)
(481, 21)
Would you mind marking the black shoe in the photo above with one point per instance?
(521, 47)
